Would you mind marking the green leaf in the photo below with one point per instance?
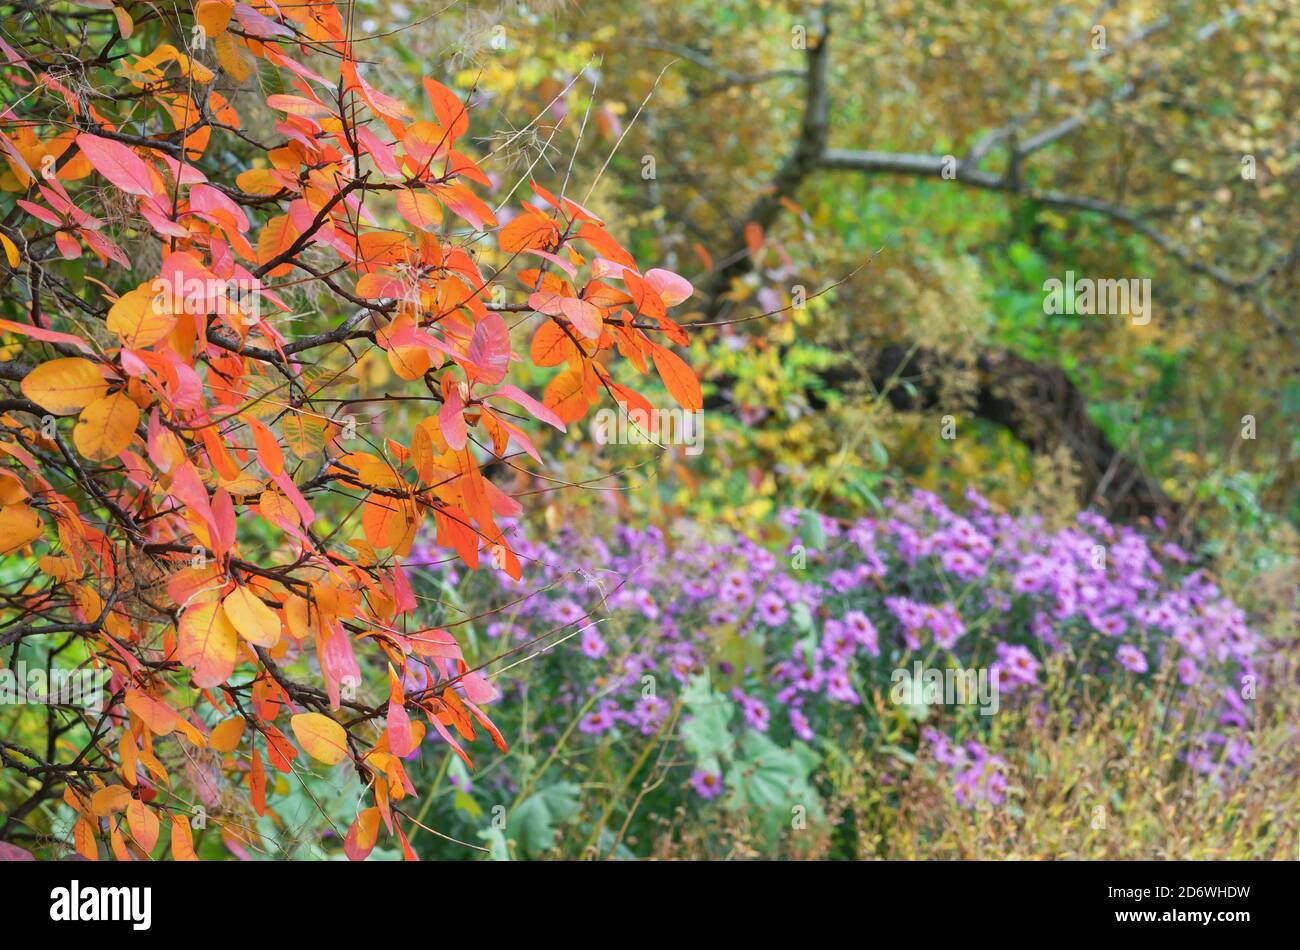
(532, 826)
(810, 530)
(774, 781)
(498, 847)
(705, 730)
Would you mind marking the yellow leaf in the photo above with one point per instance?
(141, 318)
(64, 386)
(226, 734)
(213, 16)
(232, 57)
(321, 737)
(304, 435)
(106, 427)
(108, 800)
(19, 526)
(303, 621)
(11, 250)
(258, 181)
(256, 622)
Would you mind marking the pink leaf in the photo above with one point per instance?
(117, 163)
(44, 335)
(489, 349)
(451, 420)
(671, 288)
(381, 153)
(539, 411)
(585, 316)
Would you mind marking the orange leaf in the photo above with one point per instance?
(19, 526)
(142, 821)
(321, 737)
(269, 453)
(362, 836)
(420, 209)
(182, 839)
(681, 381)
(566, 396)
(207, 643)
(158, 716)
(528, 230)
(277, 237)
(110, 799)
(257, 783)
(551, 346)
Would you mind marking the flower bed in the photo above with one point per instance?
(755, 656)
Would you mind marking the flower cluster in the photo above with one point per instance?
(801, 637)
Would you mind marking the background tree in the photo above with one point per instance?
(969, 155)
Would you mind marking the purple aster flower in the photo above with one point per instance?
(771, 610)
(837, 641)
(708, 785)
(1015, 666)
(1112, 625)
(598, 722)
(566, 611)
(757, 716)
(863, 630)
(841, 581)
(593, 646)
(962, 564)
(649, 714)
(1131, 658)
(839, 687)
(799, 723)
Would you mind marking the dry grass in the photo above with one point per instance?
(1093, 774)
(1092, 779)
